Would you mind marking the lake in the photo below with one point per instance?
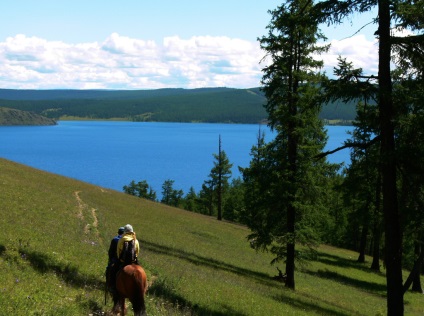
(111, 154)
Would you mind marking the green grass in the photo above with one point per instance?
(55, 233)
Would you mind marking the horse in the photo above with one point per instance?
(131, 283)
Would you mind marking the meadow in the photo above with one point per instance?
(55, 233)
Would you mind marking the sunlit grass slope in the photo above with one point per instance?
(55, 232)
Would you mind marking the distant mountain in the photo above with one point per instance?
(209, 105)
(9, 117)
(61, 94)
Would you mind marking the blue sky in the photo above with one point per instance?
(138, 44)
(76, 21)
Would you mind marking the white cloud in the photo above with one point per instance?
(121, 62)
(357, 49)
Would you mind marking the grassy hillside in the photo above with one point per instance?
(55, 233)
(10, 117)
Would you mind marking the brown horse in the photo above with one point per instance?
(131, 283)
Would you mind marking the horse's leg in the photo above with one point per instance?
(123, 309)
(116, 303)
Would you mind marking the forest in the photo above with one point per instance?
(16, 117)
(290, 196)
(208, 105)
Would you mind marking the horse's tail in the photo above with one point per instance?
(139, 291)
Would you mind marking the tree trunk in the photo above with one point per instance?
(388, 168)
(375, 265)
(416, 283)
(415, 270)
(377, 228)
(292, 160)
(219, 181)
(291, 209)
(363, 243)
(416, 280)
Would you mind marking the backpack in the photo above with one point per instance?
(128, 255)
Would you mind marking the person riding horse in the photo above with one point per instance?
(113, 263)
(123, 250)
(128, 247)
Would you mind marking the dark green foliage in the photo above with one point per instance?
(408, 96)
(344, 111)
(284, 181)
(334, 222)
(234, 208)
(190, 200)
(141, 189)
(166, 105)
(216, 187)
(406, 53)
(171, 196)
(10, 117)
(206, 199)
(70, 94)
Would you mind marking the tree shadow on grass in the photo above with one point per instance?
(69, 273)
(332, 260)
(210, 262)
(340, 278)
(303, 303)
(164, 289)
(2, 249)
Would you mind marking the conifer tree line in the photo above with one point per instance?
(290, 196)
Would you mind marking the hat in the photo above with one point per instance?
(128, 228)
(121, 230)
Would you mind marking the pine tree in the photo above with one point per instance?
(170, 196)
(284, 172)
(190, 200)
(215, 187)
(141, 189)
(404, 15)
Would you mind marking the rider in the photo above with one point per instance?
(113, 246)
(128, 247)
(113, 264)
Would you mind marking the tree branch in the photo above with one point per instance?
(358, 30)
(349, 145)
(417, 39)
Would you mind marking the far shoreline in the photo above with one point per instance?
(335, 122)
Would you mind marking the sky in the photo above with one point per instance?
(140, 44)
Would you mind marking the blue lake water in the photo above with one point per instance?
(111, 154)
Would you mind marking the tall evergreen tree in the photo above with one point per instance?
(171, 196)
(403, 15)
(408, 96)
(233, 209)
(292, 176)
(141, 189)
(215, 187)
(190, 200)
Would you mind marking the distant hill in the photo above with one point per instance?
(209, 105)
(17, 117)
(61, 94)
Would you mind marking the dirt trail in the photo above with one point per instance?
(90, 229)
(81, 205)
